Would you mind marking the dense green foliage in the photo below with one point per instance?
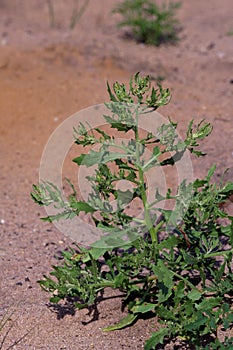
(175, 265)
(150, 23)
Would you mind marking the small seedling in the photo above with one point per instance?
(175, 264)
(150, 23)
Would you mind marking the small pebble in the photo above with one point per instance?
(19, 283)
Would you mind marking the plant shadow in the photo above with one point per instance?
(69, 307)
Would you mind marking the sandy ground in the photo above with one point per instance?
(47, 74)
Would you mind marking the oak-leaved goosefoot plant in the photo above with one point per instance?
(176, 264)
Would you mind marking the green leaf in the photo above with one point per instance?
(165, 281)
(111, 95)
(79, 159)
(89, 159)
(46, 194)
(60, 216)
(165, 314)
(124, 197)
(82, 206)
(210, 173)
(200, 321)
(121, 281)
(96, 253)
(125, 322)
(115, 238)
(143, 308)
(54, 300)
(156, 338)
(169, 243)
(100, 157)
(228, 189)
(101, 132)
(119, 125)
(153, 159)
(208, 304)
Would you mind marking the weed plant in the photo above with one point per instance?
(176, 264)
(150, 23)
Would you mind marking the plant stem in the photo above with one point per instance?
(77, 14)
(51, 13)
(152, 230)
(220, 253)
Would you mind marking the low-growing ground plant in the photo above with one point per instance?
(171, 264)
(150, 23)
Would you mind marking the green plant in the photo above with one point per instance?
(174, 264)
(150, 23)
